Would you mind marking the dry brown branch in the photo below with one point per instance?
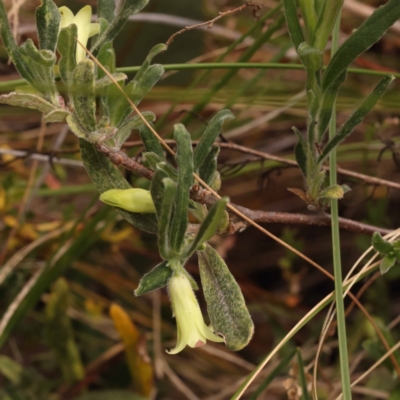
(211, 22)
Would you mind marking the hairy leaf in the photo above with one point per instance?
(209, 136)
(293, 23)
(225, 303)
(48, 22)
(150, 142)
(157, 278)
(67, 49)
(83, 94)
(184, 159)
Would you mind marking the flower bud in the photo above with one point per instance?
(134, 200)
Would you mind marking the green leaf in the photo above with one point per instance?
(208, 167)
(83, 95)
(12, 49)
(60, 335)
(150, 142)
(27, 100)
(326, 106)
(209, 226)
(361, 40)
(48, 22)
(209, 136)
(326, 21)
(387, 262)
(381, 245)
(157, 49)
(293, 23)
(164, 222)
(366, 106)
(225, 303)
(311, 57)
(41, 64)
(300, 151)
(157, 278)
(310, 17)
(184, 159)
(67, 48)
(128, 8)
(76, 127)
(105, 175)
(131, 123)
(106, 9)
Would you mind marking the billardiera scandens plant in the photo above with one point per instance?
(85, 28)
(97, 113)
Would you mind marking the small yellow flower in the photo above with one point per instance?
(134, 200)
(85, 27)
(191, 328)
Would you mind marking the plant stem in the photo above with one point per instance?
(337, 265)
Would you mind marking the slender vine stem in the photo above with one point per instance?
(337, 265)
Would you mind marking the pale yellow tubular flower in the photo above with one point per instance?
(192, 330)
(135, 200)
(85, 28)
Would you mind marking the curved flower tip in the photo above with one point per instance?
(135, 200)
(85, 28)
(192, 330)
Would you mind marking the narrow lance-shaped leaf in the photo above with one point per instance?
(150, 142)
(361, 40)
(83, 94)
(366, 106)
(67, 49)
(208, 167)
(131, 123)
(310, 17)
(209, 226)
(12, 48)
(326, 105)
(105, 175)
(387, 262)
(209, 136)
(225, 303)
(293, 23)
(164, 221)
(326, 22)
(27, 100)
(300, 152)
(157, 278)
(48, 22)
(184, 159)
(157, 49)
(129, 7)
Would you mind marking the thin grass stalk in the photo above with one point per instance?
(337, 265)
